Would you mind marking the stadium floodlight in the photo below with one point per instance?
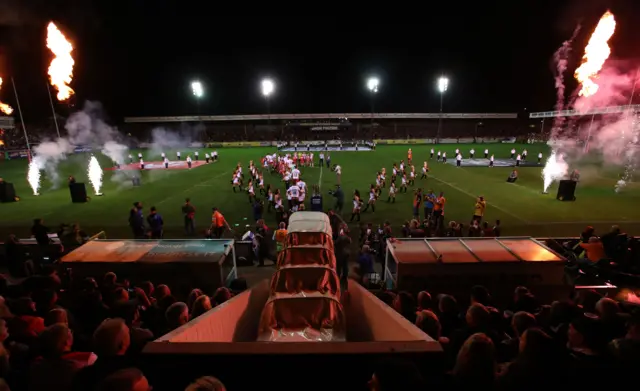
(372, 84)
(197, 88)
(443, 84)
(267, 87)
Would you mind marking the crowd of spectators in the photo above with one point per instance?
(60, 333)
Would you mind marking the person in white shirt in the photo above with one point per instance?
(518, 160)
(130, 159)
(178, 155)
(392, 193)
(207, 158)
(471, 153)
(286, 178)
(444, 157)
(235, 181)
(311, 162)
(524, 154)
(196, 154)
(491, 161)
(189, 162)
(141, 164)
(338, 173)
(486, 153)
(439, 154)
(303, 191)
(293, 194)
(139, 155)
(412, 176)
(513, 153)
(372, 200)
(251, 191)
(425, 170)
(295, 174)
(432, 152)
(539, 157)
(214, 156)
(163, 155)
(458, 159)
(457, 151)
(321, 157)
(166, 163)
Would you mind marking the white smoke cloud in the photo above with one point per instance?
(47, 156)
(164, 140)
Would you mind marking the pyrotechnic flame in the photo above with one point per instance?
(33, 176)
(1, 143)
(61, 68)
(595, 54)
(95, 174)
(5, 108)
(554, 169)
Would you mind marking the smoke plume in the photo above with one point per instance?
(561, 60)
(165, 140)
(47, 156)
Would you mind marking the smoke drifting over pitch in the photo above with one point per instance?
(86, 128)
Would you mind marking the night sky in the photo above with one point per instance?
(138, 60)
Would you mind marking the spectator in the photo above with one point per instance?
(428, 322)
(424, 301)
(57, 367)
(200, 306)
(475, 366)
(56, 316)
(521, 322)
(128, 379)
(220, 296)
(177, 315)
(111, 341)
(394, 375)
(406, 306)
(206, 383)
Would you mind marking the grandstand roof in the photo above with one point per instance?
(578, 113)
(265, 117)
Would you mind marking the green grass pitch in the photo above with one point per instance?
(522, 207)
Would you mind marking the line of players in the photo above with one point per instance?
(442, 156)
(213, 157)
(287, 166)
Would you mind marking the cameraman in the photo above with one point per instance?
(339, 196)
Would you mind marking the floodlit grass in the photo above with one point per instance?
(522, 207)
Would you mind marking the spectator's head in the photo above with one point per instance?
(447, 304)
(56, 340)
(120, 295)
(477, 316)
(536, 345)
(201, 305)
(585, 333)
(147, 288)
(428, 322)
(111, 338)
(424, 300)
(162, 291)
(109, 279)
(521, 322)
(220, 296)
(481, 295)
(55, 316)
(129, 379)
(193, 295)
(528, 303)
(607, 308)
(476, 360)
(206, 383)
(127, 311)
(519, 293)
(396, 374)
(405, 304)
(562, 312)
(89, 284)
(177, 314)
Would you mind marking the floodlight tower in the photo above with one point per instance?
(443, 85)
(268, 86)
(372, 85)
(198, 92)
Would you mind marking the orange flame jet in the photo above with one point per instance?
(595, 54)
(5, 108)
(61, 68)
